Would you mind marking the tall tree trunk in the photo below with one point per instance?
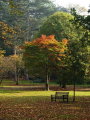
(17, 82)
(27, 75)
(74, 87)
(15, 52)
(15, 73)
(60, 84)
(1, 79)
(63, 83)
(47, 76)
(16, 78)
(47, 82)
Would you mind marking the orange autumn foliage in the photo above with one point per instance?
(50, 44)
(44, 53)
(43, 40)
(48, 41)
(65, 41)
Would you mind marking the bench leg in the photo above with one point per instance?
(53, 98)
(65, 100)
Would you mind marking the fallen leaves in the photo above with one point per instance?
(24, 108)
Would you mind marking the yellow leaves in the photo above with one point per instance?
(14, 57)
(28, 43)
(48, 41)
(6, 31)
(64, 41)
(58, 58)
(62, 50)
(43, 41)
(2, 52)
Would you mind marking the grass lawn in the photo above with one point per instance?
(36, 105)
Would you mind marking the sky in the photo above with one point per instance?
(66, 3)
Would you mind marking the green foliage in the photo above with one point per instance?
(25, 17)
(44, 55)
(59, 25)
(65, 25)
(79, 49)
(81, 20)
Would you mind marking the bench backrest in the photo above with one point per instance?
(61, 93)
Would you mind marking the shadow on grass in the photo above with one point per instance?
(9, 91)
(30, 88)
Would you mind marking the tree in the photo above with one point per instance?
(11, 66)
(36, 12)
(24, 17)
(67, 26)
(81, 20)
(59, 25)
(44, 55)
(79, 53)
(6, 35)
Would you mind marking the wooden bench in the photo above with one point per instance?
(60, 95)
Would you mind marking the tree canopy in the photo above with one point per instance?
(65, 25)
(59, 25)
(43, 55)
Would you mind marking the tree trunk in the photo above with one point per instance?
(74, 92)
(17, 82)
(60, 84)
(16, 78)
(63, 84)
(47, 82)
(1, 80)
(15, 73)
(27, 76)
(74, 87)
(15, 50)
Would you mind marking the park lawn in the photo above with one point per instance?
(15, 93)
(36, 105)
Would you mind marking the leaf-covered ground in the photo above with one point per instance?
(36, 105)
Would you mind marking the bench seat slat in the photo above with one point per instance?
(60, 95)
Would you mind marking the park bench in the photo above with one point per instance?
(60, 95)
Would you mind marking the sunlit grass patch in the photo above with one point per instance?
(38, 93)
